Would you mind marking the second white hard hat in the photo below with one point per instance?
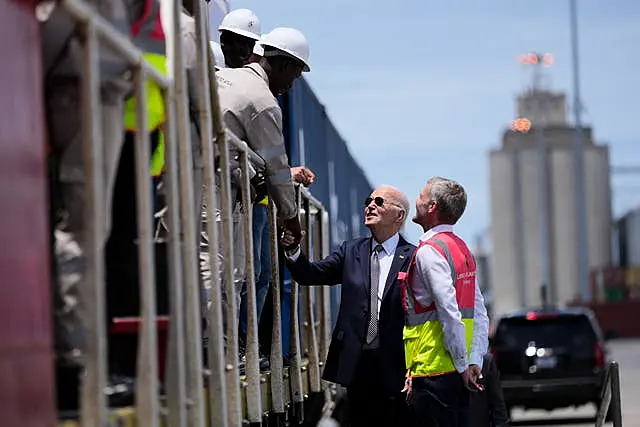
(218, 54)
(290, 41)
(243, 22)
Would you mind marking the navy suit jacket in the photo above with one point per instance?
(350, 266)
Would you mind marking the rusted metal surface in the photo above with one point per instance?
(26, 366)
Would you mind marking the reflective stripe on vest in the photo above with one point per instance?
(148, 35)
(425, 351)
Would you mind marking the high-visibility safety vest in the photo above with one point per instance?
(148, 35)
(425, 352)
(265, 201)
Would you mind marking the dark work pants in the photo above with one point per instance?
(439, 401)
(370, 403)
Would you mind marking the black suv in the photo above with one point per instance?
(550, 358)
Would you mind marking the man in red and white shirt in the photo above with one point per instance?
(446, 325)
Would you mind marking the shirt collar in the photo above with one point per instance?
(256, 68)
(390, 244)
(442, 228)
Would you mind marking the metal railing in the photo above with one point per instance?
(610, 408)
(185, 377)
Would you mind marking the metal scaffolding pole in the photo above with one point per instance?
(578, 152)
(538, 60)
(546, 286)
(519, 229)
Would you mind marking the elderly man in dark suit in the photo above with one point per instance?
(366, 353)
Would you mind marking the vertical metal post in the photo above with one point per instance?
(176, 366)
(325, 335)
(325, 309)
(234, 404)
(610, 402)
(277, 368)
(544, 189)
(311, 345)
(147, 363)
(306, 247)
(252, 365)
(193, 323)
(616, 403)
(92, 397)
(578, 153)
(231, 350)
(176, 345)
(294, 346)
(543, 193)
(218, 415)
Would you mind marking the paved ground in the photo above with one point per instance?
(627, 353)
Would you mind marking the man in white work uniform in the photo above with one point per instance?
(251, 111)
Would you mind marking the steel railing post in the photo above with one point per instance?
(147, 364)
(93, 399)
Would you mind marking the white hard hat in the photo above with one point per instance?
(217, 54)
(243, 22)
(290, 41)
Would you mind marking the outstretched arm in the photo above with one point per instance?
(318, 273)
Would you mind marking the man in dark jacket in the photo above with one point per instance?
(366, 353)
(487, 407)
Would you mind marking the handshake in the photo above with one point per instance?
(289, 231)
(290, 234)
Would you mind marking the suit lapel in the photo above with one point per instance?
(402, 255)
(364, 259)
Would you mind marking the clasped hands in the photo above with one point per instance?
(290, 235)
(289, 231)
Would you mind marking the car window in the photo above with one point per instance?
(552, 332)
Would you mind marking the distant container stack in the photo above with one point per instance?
(622, 280)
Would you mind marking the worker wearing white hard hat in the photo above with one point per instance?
(239, 31)
(285, 57)
(248, 100)
(216, 49)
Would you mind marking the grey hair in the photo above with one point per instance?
(450, 197)
(400, 199)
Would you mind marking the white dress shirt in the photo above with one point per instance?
(436, 286)
(385, 257)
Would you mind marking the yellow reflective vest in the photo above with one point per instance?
(148, 35)
(425, 351)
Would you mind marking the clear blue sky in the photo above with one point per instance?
(420, 88)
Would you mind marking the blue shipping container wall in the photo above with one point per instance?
(315, 143)
(341, 185)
